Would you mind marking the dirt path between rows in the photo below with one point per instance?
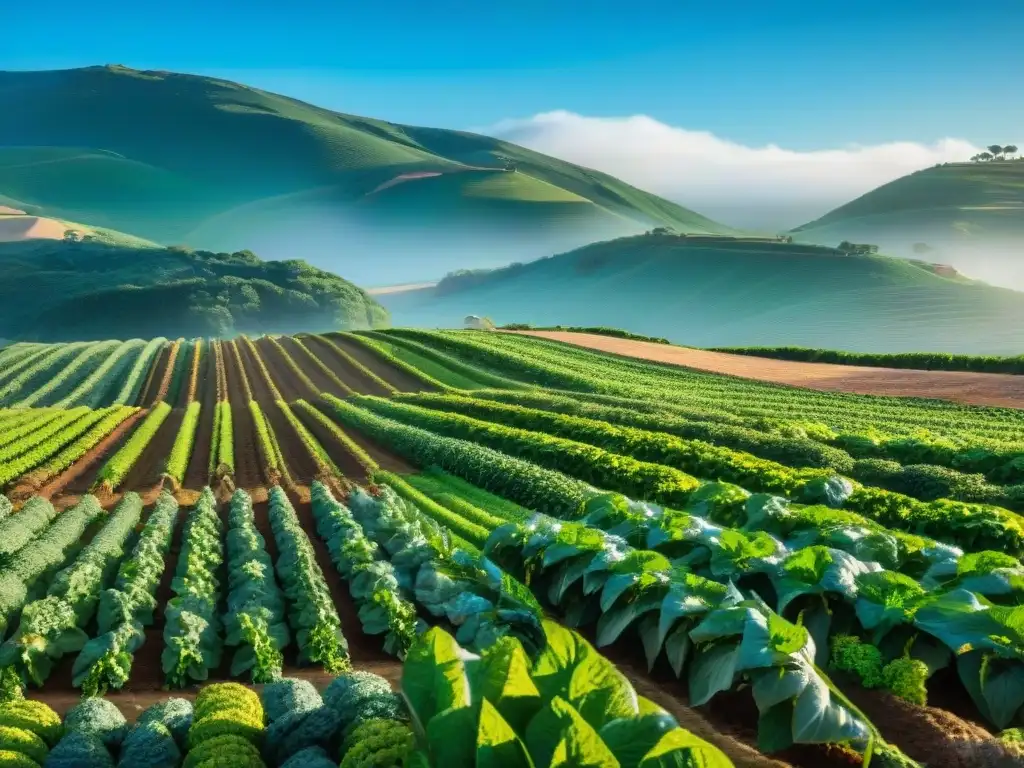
(156, 377)
(197, 475)
(399, 379)
(990, 389)
(320, 379)
(350, 376)
(148, 470)
(288, 384)
(248, 465)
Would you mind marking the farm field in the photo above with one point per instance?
(656, 565)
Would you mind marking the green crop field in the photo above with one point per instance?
(727, 292)
(545, 545)
(234, 167)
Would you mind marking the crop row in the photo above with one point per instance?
(565, 705)
(125, 610)
(114, 472)
(312, 614)
(255, 621)
(221, 371)
(131, 386)
(54, 625)
(563, 366)
(969, 525)
(184, 441)
(193, 377)
(293, 366)
(395, 357)
(52, 359)
(223, 454)
(58, 386)
(34, 433)
(324, 368)
(193, 632)
(270, 451)
(355, 364)
(93, 391)
(63, 449)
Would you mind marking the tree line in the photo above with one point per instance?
(995, 152)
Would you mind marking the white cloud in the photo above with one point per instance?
(767, 187)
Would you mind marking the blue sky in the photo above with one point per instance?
(805, 75)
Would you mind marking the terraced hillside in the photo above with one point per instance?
(233, 167)
(793, 577)
(715, 292)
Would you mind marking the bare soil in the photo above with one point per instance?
(302, 467)
(320, 379)
(989, 389)
(341, 368)
(198, 473)
(147, 472)
(290, 386)
(156, 377)
(397, 378)
(342, 457)
(80, 477)
(248, 466)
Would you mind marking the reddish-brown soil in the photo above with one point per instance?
(288, 384)
(198, 473)
(156, 377)
(342, 457)
(248, 466)
(302, 467)
(181, 398)
(387, 460)
(80, 477)
(261, 391)
(993, 389)
(399, 379)
(148, 470)
(352, 377)
(320, 379)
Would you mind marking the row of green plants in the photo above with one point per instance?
(18, 423)
(928, 361)
(184, 442)
(117, 467)
(342, 387)
(131, 385)
(599, 330)
(311, 611)
(563, 366)
(223, 454)
(54, 625)
(20, 378)
(23, 440)
(294, 367)
(95, 389)
(353, 448)
(36, 547)
(528, 484)
(351, 362)
(370, 577)
(193, 631)
(126, 609)
(323, 459)
(386, 352)
(62, 448)
(475, 376)
(269, 450)
(563, 705)
(112, 419)
(254, 624)
(64, 382)
(656, 466)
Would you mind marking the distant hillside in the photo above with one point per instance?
(52, 291)
(179, 158)
(732, 292)
(970, 215)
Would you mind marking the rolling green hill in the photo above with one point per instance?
(179, 158)
(104, 289)
(971, 214)
(729, 291)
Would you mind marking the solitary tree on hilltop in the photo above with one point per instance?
(1010, 149)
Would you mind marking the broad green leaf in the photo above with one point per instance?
(450, 734)
(712, 670)
(681, 749)
(559, 736)
(570, 667)
(772, 686)
(434, 675)
(769, 641)
(497, 745)
(775, 726)
(677, 648)
(818, 719)
(503, 677)
(630, 738)
(613, 623)
(1002, 685)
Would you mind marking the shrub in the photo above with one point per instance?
(97, 717)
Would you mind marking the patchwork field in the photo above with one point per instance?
(772, 575)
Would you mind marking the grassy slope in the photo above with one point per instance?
(117, 288)
(973, 213)
(174, 157)
(734, 292)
